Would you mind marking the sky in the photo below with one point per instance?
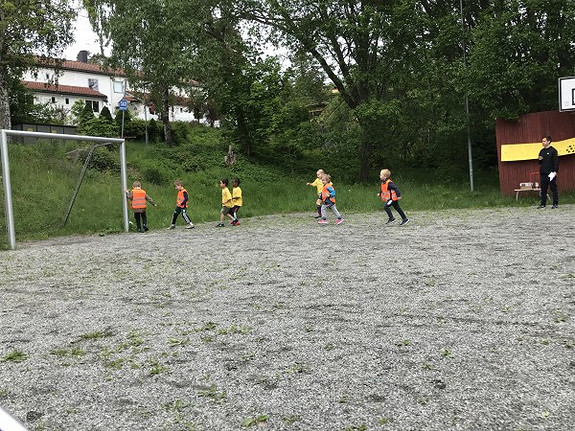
(85, 38)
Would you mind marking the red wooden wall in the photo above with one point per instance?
(531, 128)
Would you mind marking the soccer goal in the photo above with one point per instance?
(4, 134)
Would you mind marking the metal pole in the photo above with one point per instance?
(7, 191)
(124, 176)
(469, 153)
(122, 132)
(146, 120)
(79, 183)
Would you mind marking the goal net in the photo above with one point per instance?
(76, 178)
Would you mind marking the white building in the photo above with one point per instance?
(94, 84)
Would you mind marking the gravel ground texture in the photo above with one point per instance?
(459, 320)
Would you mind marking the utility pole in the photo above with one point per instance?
(469, 150)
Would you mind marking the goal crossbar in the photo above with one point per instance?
(5, 133)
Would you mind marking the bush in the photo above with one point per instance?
(98, 127)
(156, 173)
(104, 159)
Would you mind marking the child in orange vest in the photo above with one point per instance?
(182, 200)
(328, 200)
(138, 197)
(390, 195)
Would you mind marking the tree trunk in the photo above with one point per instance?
(5, 122)
(365, 148)
(168, 137)
(365, 151)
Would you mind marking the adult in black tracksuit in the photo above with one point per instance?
(549, 164)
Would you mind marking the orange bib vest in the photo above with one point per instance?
(325, 193)
(180, 199)
(138, 199)
(387, 194)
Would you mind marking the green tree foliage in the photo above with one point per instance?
(153, 42)
(405, 67)
(518, 51)
(28, 27)
(349, 40)
(105, 113)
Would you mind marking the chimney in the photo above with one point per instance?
(82, 56)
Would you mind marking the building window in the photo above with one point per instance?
(53, 99)
(93, 84)
(119, 87)
(67, 101)
(94, 104)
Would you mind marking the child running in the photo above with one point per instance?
(319, 186)
(138, 197)
(390, 196)
(236, 200)
(182, 200)
(328, 200)
(227, 202)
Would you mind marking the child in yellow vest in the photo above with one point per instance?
(138, 197)
(227, 202)
(236, 200)
(319, 186)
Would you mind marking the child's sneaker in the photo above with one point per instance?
(390, 221)
(339, 221)
(146, 229)
(237, 223)
(172, 226)
(190, 226)
(220, 225)
(404, 221)
(322, 221)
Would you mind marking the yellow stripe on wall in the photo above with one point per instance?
(514, 152)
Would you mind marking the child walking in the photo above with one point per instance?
(390, 196)
(319, 186)
(182, 200)
(328, 200)
(138, 197)
(236, 200)
(227, 202)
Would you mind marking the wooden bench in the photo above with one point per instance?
(527, 189)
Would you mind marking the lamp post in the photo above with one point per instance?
(144, 85)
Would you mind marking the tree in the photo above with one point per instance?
(519, 50)
(98, 15)
(28, 27)
(347, 39)
(153, 43)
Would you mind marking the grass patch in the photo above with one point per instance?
(14, 356)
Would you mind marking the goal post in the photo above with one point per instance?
(5, 133)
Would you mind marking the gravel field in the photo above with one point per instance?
(460, 320)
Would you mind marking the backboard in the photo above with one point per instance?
(567, 93)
